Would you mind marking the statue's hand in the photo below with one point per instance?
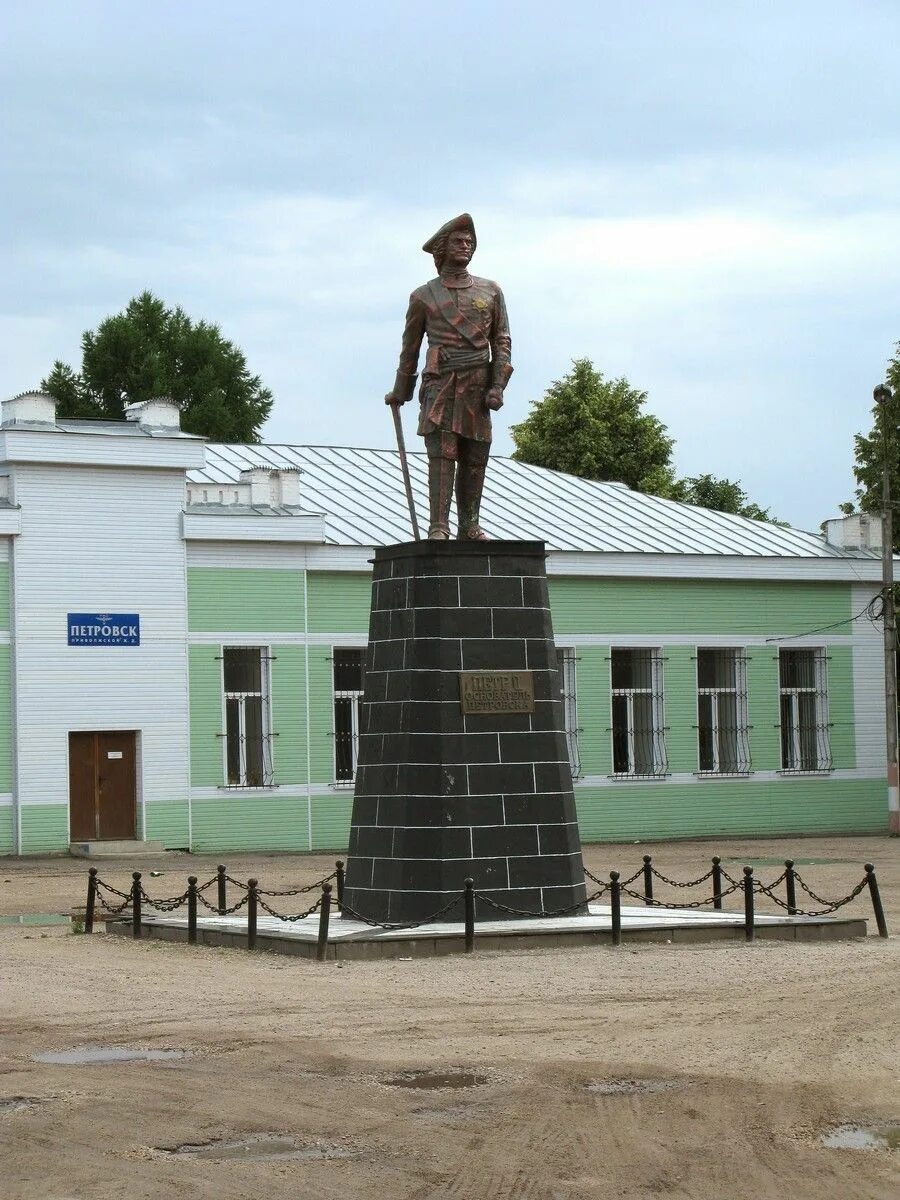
(494, 399)
(390, 398)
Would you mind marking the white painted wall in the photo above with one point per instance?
(99, 539)
(868, 682)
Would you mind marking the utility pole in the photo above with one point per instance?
(882, 396)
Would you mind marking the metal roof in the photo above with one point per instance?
(362, 496)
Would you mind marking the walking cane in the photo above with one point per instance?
(401, 447)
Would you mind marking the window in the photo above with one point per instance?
(805, 744)
(348, 687)
(566, 660)
(248, 751)
(638, 734)
(723, 732)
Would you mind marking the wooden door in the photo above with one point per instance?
(102, 785)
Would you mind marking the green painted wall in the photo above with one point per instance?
(4, 596)
(260, 821)
(45, 827)
(244, 600)
(339, 602)
(7, 830)
(592, 691)
(331, 821)
(641, 811)
(169, 823)
(704, 606)
(288, 673)
(321, 715)
(6, 728)
(205, 670)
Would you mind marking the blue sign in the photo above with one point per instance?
(104, 629)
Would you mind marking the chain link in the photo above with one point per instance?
(833, 906)
(685, 904)
(821, 899)
(674, 882)
(114, 909)
(544, 912)
(349, 912)
(283, 917)
(213, 908)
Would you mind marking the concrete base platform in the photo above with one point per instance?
(120, 848)
(350, 939)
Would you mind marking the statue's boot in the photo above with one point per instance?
(473, 457)
(441, 472)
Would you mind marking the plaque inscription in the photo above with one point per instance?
(496, 691)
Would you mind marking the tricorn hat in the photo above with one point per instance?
(463, 221)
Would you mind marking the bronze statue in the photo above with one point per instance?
(467, 366)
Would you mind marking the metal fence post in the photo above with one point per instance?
(324, 912)
(876, 900)
(749, 926)
(221, 901)
(136, 904)
(192, 909)
(91, 901)
(717, 881)
(469, 910)
(615, 900)
(251, 913)
(648, 879)
(790, 887)
(339, 880)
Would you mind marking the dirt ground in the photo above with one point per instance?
(701, 1072)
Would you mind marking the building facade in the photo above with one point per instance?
(185, 624)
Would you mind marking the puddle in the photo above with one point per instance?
(257, 1145)
(431, 1080)
(863, 1137)
(88, 1055)
(631, 1087)
(36, 919)
(14, 1104)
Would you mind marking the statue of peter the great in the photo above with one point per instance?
(467, 366)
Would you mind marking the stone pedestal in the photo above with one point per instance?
(442, 794)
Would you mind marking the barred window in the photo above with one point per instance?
(638, 733)
(723, 731)
(348, 687)
(566, 659)
(805, 741)
(248, 737)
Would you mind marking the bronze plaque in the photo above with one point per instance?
(496, 691)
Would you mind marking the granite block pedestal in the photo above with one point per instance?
(442, 793)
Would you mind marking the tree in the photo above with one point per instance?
(722, 495)
(151, 350)
(870, 451)
(594, 427)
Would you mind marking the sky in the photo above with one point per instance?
(701, 197)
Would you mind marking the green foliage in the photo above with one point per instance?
(722, 495)
(150, 350)
(870, 450)
(594, 427)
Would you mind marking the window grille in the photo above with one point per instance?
(805, 740)
(248, 736)
(566, 660)
(723, 730)
(348, 688)
(638, 732)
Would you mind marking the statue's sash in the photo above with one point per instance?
(455, 317)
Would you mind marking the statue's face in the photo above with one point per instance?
(460, 248)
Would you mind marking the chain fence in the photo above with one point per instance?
(103, 895)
